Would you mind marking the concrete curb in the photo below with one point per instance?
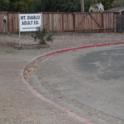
(29, 69)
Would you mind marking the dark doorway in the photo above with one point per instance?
(120, 23)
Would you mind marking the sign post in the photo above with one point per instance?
(29, 23)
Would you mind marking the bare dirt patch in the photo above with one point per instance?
(61, 40)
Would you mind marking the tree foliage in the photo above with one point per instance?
(107, 3)
(48, 5)
(4, 5)
(42, 36)
(57, 5)
(17, 6)
(67, 5)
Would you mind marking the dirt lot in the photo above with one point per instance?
(62, 40)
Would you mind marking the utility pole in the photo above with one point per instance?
(82, 5)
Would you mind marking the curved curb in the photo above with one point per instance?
(29, 69)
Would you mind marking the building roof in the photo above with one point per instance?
(117, 9)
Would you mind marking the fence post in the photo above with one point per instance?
(62, 22)
(102, 18)
(5, 23)
(115, 22)
(74, 22)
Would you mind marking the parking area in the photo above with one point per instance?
(88, 82)
(86, 85)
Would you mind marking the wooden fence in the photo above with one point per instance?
(66, 22)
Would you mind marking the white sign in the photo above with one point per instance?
(30, 22)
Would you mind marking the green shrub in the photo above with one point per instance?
(43, 36)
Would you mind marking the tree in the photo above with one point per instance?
(14, 5)
(71, 6)
(20, 5)
(4, 5)
(107, 3)
(50, 5)
(57, 5)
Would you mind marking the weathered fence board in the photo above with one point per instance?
(3, 27)
(1, 23)
(13, 23)
(68, 22)
(109, 21)
(58, 22)
(63, 22)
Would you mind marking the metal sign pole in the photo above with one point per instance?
(20, 44)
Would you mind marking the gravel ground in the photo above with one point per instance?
(76, 39)
(62, 40)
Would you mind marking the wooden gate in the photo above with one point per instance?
(120, 23)
(94, 22)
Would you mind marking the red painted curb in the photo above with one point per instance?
(83, 47)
